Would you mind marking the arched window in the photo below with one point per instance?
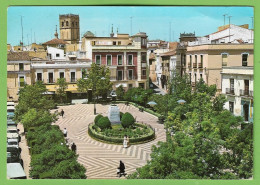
(67, 23)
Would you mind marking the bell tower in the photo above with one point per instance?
(69, 28)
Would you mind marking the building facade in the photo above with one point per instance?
(125, 56)
(238, 87)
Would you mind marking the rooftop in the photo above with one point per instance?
(19, 56)
(55, 41)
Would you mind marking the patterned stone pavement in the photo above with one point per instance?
(101, 159)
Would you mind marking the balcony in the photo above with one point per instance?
(73, 80)
(194, 65)
(50, 81)
(200, 65)
(244, 92)
(230, 91)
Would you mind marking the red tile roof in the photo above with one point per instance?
(55, 42)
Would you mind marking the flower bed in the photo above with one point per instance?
(140, 133)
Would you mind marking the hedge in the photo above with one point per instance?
(103, 123)
(146, 138)
(127, 120)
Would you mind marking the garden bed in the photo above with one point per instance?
(138, 134)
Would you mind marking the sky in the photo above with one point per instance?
(165, 22)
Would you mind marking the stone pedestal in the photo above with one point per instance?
(114, 114)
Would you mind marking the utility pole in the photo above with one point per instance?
(131, 24)
(170, 32)
(225, 18)
(229, 27)
(22, 30)
(252, 28)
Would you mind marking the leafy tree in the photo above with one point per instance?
(207, 141)
(104, 123)
(98, 80)
(33, 118)
(138, 95)
(127, 120)
(32, 96)
(120, 92)
(69, 169)
(97, 118)
(61, 86)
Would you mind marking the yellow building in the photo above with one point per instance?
(206, 61)
(18, 73)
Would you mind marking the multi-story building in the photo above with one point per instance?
(126, 57)
(207, 55)
(237, 86)
(18, 73)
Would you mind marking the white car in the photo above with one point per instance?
(13, 143)
(12, 133)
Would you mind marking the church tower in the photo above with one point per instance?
(69, 28)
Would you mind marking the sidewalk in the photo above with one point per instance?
(25, 155)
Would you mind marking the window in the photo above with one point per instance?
(130, 74)
(190, 77)
(244, 59)
(200, 76)
(98, 59)
(50, 78)
(246, 85)
(39, 76)
(57, 55)
(119, 42)
(114, 42)
(109, 60)
(231, 85)
(21, 67)
(190, 60)
(21, 81)
(143, 57)
(231, 107)
(224, 59)
(84, 73)
(62, 24)
(72, 24)
(184, 62)
(130, 59)
(67, 23)
(201, 61)
(76, 23)
(93, 43)
(246, 111)
(119, 75)
(61, 74)
(72, 76)
(119, 59)
(144, 72)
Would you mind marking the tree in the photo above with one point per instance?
(138, 95)
(207, 141)
(33, 96)
(104, 123)
(127, 120)
(120, 92)
(98, 80)
(61, 86)
(34, 118)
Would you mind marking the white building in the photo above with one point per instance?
(237, 86)
(55, 53)
(227, 34)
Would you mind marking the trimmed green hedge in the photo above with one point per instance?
(97, 118)
(104, 123)
(146, 138)
(127, 120)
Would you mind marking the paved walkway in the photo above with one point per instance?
(25, 155)
(100, 159)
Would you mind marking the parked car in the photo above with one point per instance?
(15, 171)
(13, 157)
(10, 103)
(13, 143)
(11, 123)
(12, 133)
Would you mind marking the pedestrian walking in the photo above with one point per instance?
(127, 141)
(121, 169)
(65, 132)
(62, 112)
(74, 147)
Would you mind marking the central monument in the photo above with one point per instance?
(114, 114)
